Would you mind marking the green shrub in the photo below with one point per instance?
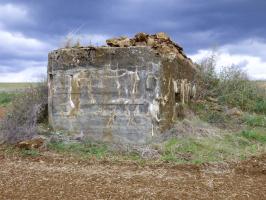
(24, 113)
(237, 90)
(231, 86)
(207, 77)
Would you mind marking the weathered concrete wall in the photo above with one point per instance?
(105, 92)
(117, 94)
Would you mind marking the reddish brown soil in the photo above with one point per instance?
(56, 177)
(2, 112)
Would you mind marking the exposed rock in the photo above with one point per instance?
(2, 113)
(141, 37)
(146, 152)
(234, 112)
(217, 107)
(151, 41)
(211, 99)
(159, 41)
(162, 36)
(119, 42)
(34, 143)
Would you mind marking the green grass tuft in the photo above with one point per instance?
(214, 149)
(255, 120)
(29, 153)
(255, 136)
(86, 148)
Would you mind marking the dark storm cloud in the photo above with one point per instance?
(194, 24)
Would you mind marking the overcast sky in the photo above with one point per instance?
(29, 29)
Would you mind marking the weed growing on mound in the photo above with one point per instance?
(214, 149)
(29, 153)
(255, 136)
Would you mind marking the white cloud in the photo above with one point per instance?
(30, 74)
(20, 53)
(19, 44)
(24, 71)
(17, 47)
(16, 43)
(248, 54)
(10, 13)
(254, 47)
(12, 65)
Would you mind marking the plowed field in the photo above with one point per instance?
(54, 176)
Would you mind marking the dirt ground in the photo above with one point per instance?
(54, 176)
(2, 112)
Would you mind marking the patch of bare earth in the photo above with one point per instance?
(2, 112)
(57, 177)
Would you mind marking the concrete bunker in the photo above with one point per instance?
(129, 91)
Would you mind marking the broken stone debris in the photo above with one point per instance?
(31, 144)
(159, 41)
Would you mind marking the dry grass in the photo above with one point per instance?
(261, 84)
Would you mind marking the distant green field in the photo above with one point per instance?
(14, 87)
(6, 98)
(8, 91)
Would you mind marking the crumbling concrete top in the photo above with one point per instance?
(100, 57)
(160, 42)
